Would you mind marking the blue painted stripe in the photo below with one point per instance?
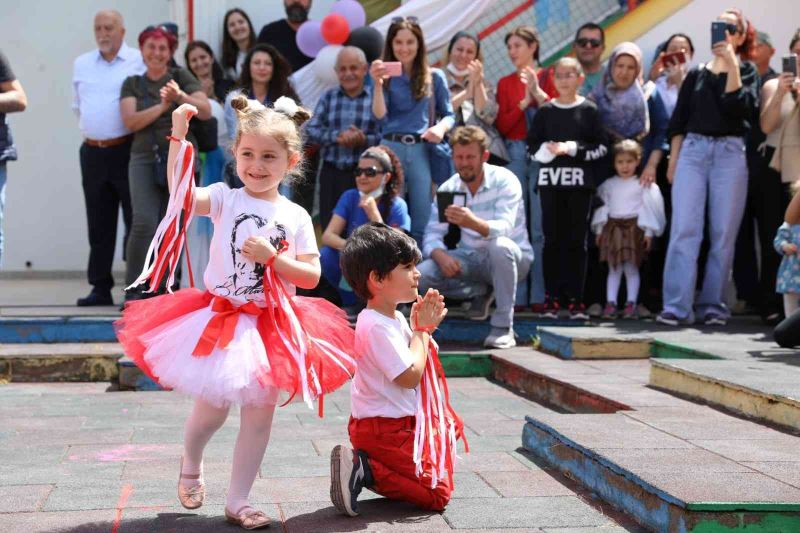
(560, 345)
(591, 472)
(57, 329)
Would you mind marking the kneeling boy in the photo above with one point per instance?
(379, 263)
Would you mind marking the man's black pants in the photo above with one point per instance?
(105, 190)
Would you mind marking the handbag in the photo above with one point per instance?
(497, 146)
(440, 155)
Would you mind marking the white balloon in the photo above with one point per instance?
(325, 64)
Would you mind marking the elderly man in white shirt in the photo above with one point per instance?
(486, 224)
(104, 154)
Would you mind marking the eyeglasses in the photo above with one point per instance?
(583, 42)
(369, 172)
(412, 19)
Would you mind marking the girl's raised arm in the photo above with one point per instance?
(180, 126)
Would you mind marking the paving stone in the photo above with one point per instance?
(73, 436)
(781, 448)
(472, 485)
(703, 423)
(788, 472)
(610, 431)
(497, 427)
(112, 453)
(298, 489)
(494, 443)
(22, 498)
(696, 461)
(375, 515)
(556, 511)
(723, 487)
(69, 472)
(83, 521)
(32, 454)
(492, 461)
(526, 484)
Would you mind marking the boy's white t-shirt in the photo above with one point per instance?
(383, 347)
(236, 216)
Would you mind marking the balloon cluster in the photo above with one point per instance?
(344, 25)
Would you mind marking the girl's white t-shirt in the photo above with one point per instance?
(382, 344)
(236, 216)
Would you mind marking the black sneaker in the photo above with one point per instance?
(349, 474)
(94, 298)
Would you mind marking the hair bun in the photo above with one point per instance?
(289, 107)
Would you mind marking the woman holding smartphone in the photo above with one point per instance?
(408, 98)
(708, 166)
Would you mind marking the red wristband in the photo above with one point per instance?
(283, 246)
(174, 139)
(428, 329)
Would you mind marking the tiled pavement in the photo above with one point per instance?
(75, 458)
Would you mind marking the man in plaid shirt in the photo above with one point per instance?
(343, 126)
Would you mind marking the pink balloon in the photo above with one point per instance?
(335, 29)
(309, 38)
(352, 11)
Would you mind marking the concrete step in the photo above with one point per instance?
(669, 463)
(59, 362)
(592, 343)
(766, 392)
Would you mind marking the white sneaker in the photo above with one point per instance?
(500, 338)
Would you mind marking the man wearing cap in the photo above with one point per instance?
(104, 154)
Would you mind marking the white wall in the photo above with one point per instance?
(779, 18)
(45, 220)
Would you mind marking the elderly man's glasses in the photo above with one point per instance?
(369, 172)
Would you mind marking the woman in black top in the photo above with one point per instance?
(716, 106)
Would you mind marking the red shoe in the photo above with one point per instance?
(537, 309)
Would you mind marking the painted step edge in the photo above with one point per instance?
(567, 347)
(57, 330)
(667, 350)
(649, 505)
(59, 368)
(552, 391)
(755, 404)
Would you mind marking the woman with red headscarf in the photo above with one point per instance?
(146, 104)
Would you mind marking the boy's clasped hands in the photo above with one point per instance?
(428, 311)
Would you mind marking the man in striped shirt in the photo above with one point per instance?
(492, 251)
(343, 126)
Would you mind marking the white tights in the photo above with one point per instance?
(790, 302)
(615, 278)
(251, 443)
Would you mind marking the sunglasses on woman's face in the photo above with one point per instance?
(583, 42)
(369, 172)
(412, 19)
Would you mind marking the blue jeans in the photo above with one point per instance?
(712, 169)
(329, 261)
(531, 289)
(3, 177)
(417, 171)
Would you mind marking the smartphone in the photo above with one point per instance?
(675, 58)
(446, 199)
(393, 68)
(718, 32)
(790, 64)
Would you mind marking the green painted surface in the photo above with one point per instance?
(744, 506)
(466, 365)
(768, 523)
(666, 350)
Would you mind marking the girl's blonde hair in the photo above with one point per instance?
(254, 118)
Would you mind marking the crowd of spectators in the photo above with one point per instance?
(682, 171)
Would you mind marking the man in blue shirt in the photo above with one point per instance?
(343, 125)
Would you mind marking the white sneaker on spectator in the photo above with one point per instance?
(479, 306)
(595, 310)
(500, 338)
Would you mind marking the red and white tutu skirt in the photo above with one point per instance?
(249, 355)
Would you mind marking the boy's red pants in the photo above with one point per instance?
(389, 445)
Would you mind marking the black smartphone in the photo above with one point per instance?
(718, 32)
(446, 199)
(790, 64)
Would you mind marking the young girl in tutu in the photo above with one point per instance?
(625, 224)
(248, 341)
